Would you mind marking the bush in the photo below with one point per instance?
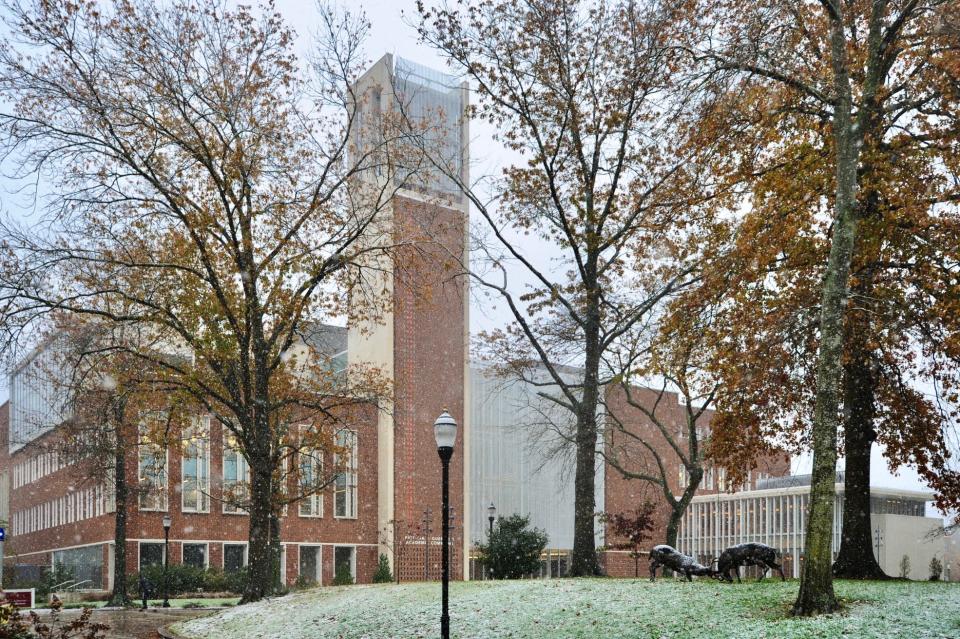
(343, 576)
(904, 566)
(187, 580)
(236, 582)
(936, 569)
(513, 550)
(11, 624)
(303, 582)
(383, 575)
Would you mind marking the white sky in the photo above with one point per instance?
(390, 33)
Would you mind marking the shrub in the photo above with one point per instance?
(11, 624)
(187, 580)
(236, 582)
(936, 569)
(343, 576)
(383, 574)
(303, 582)
(904, 566)
(513, 549)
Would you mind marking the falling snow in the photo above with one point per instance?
(564, 608)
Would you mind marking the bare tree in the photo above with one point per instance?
(582, 92)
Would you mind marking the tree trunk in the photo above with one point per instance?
(261, 564)
(584, 560)
(119, 596)
(816, 578)
(856, 559)
(279, 579)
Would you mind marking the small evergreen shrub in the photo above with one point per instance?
(343, 576)
(936, 569)
(513, 549)
(904, 566)
(383, 574)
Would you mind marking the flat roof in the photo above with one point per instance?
(802, 490)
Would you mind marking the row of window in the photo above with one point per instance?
(75, 506)
(235, 480)
(711, 477)
(197, 554)
(30, 470)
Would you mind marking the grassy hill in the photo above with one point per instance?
(566, 608)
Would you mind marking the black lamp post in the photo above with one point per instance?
(491, 515)
(166, 559)
(445, 432)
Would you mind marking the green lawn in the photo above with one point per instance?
(568, 608)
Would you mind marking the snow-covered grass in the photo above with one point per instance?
(567, 608)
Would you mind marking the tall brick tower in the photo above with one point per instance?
(421, 341)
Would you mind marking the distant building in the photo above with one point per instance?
(775, 514)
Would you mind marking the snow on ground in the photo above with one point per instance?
(567, 608)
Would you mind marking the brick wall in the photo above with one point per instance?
(429, 358)
(214, 527)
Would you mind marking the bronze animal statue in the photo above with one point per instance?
(670, 557)
(749, 554)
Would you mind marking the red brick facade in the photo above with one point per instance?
(429, 374)
(213, 528)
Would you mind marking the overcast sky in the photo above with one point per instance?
(390, 33)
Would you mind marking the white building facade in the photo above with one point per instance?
(776, 513)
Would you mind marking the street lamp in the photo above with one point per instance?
(445, 432)
(166, 559)
(491, 515)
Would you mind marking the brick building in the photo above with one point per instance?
(421, 343)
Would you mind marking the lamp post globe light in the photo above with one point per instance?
(445, 432)
(491, 515)
(166, 558)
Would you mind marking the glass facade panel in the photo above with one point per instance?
(310, 564)
(311, 472)
(234, 557)
(345, 484)
(152, 466)
(82, 565)
(195, 467)
(195, 555)
(236, 475)
(343, 558)
(433, 102)
(151, 554)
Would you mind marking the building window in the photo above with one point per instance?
(236, 475)
(310, 564)
(151, 554)
(152, 467)
(84, 565)
(345, 558)
(311, 479)
(195, 555)
(345, 485)
(195, 468)
(234, 557)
